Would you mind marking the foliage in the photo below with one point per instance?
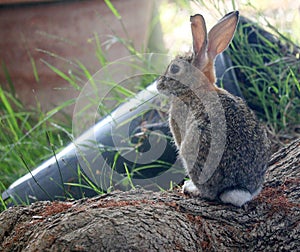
(268, 75)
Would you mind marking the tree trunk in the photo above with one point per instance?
(140, 220)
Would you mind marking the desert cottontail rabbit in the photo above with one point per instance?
(220, 142)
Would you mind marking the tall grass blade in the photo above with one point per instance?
(8, 79)
(57, 163)
(112, 9)
(99, 52)
(38, 184)
(35, 72)
(11, 120)
(62, 75)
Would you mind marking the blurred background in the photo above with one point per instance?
(42, 41)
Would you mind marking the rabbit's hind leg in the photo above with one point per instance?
(237, 197)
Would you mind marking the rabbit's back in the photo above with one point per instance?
(245, 153)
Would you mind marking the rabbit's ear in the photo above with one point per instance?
(221, 34)
(199, 38)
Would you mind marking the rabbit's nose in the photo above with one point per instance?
(163, 78)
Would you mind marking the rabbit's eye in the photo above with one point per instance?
(174, 69)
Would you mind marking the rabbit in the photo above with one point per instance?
(222, 145)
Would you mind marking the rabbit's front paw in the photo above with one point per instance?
(190, 188)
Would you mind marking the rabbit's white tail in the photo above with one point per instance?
(238, 197)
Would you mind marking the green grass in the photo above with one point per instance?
(29, 137)
(23, 138)
(268, 75)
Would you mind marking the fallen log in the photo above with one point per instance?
(141, 220)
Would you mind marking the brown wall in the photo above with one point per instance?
(67, 30)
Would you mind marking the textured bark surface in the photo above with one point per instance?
(168, 221)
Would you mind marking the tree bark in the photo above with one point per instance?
(140, 220)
